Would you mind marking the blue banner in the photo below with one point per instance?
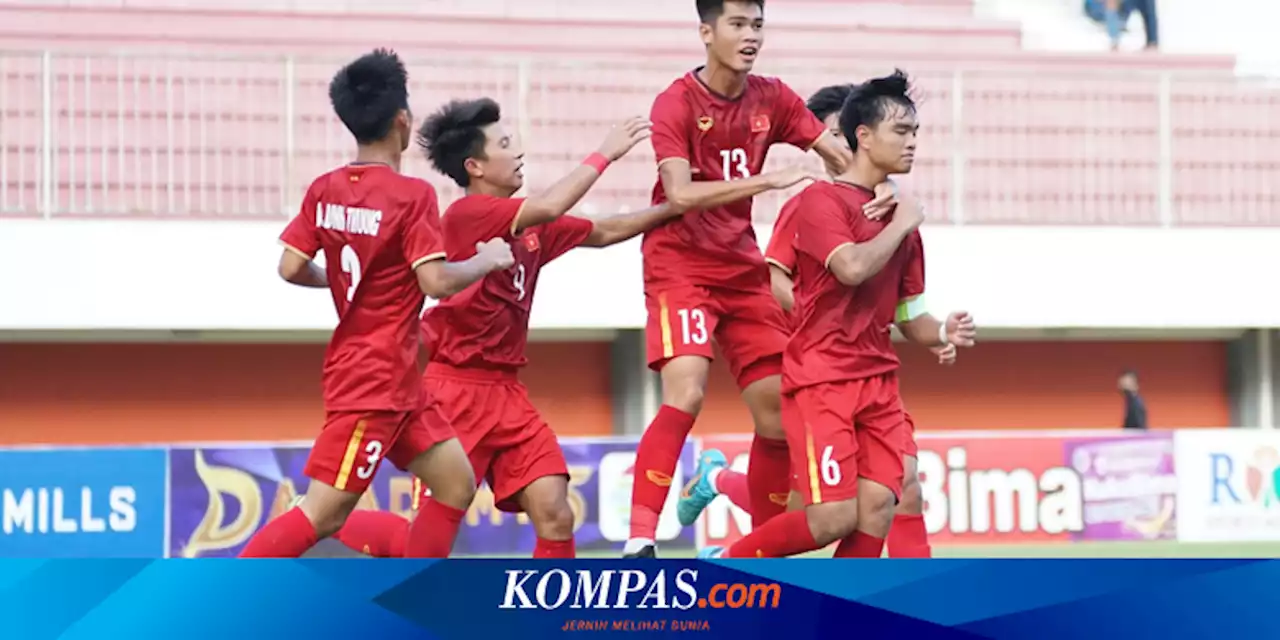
(737, 600)
(220, 495)
(82, 503)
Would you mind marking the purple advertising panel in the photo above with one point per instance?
(1128, 486)
(221, 495)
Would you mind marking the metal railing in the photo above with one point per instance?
(237, 137)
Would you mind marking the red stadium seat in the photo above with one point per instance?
(235, 125)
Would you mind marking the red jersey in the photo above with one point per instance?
(721, 139)
(375, 227)
(781, 251)
(487, 325)
(842, 332)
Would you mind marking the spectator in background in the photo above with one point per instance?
(1117, 14)
(1135, 410)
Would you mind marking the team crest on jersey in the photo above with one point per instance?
(531, 241)
(759, 124)
(704, 123)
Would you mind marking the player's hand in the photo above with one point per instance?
(946, 355)
(496, 252)
(961, 330)
(792, 176)
(624, 137)
(884, 202)
(908, 211)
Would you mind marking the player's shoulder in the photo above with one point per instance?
(768, 87)
(472, 203)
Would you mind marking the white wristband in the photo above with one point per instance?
(942, 333)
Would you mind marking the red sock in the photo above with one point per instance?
(381, 534)
(733, 485)
(432, 533)
(786, 535)
(908, 538)
(769, 479)
(859, 545)
(554, 549)
(288, 536)
(656, 459)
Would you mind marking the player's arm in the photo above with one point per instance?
(679, 187)
(801, 129)
(913, 318)
(440, 279)
(854, 263)
(835, 153)
(611, 230)
(672, 145)
(782, 286)
(561, 197)
(423, 244)
(301, 242)
(301, 270)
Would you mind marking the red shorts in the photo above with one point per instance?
(352, 444)
(506, 439)
(841, 431)
(910, 448)
(748, 325)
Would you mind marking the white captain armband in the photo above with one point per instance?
(910, 309)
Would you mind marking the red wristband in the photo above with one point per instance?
(597, 161)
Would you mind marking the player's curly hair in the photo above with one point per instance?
(868, 103)
(368, 93)
(829, 100)
(711, 10)
(455, 133)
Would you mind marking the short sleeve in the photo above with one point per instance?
(563, 235)
(478, 218)
(421, 241)
(301, 236)
(671, 124)
(781, 251)
(913, 277)
(798, 126)
(823, 227)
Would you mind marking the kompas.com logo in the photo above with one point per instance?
(630, 589)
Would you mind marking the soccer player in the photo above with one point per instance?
(379, 231)
(704, 275)
(908, 537)
(854, 277)
(477, 339)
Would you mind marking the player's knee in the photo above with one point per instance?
(456, 492)
(876, 504)
(831, 521)
(685, 396)
(912, 497)
(553, 520)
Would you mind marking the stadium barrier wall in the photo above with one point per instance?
(1007, 277)
(981, 488)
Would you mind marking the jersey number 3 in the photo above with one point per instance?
(734, 164)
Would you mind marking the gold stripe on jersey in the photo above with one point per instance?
(349, 457)
(825, 133)
(293, 249)
(827, 263)
(815, 483)
(664, 320)
(515, 222)
(778, 265)
(673, 159)
(428, 258)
